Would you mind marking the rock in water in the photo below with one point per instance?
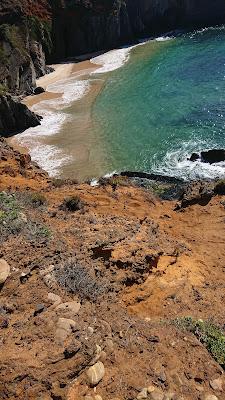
(96, 373)
(213, 156)
(194, 157)
(4, 271)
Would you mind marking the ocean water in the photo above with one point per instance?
(147, 108)
(166, 102)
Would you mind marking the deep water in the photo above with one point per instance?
(165, 103)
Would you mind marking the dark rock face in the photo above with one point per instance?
(196, 193)
(213, 156)
(81, 26)
(39, 90)
(15, 116)
(22, 35)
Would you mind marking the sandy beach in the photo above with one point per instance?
(61, 71)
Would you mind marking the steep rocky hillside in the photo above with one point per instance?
(82, 26)
(108, 292)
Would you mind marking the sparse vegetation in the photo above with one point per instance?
(76, 279)
(10, 221)
(14, 35)
(210, 335)
(72, 203)
(40, 30)
(13, 221)
(38, 231)
(31, 199)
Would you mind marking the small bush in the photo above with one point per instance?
(210, 335)
(31, 199)
(72, 203)
(76, 279)
(36, 231)
(10, 221)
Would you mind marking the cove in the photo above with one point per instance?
(165, 103)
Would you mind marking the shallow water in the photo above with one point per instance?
(147, 108)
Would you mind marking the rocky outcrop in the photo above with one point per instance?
(81, 26)
(15, 116)
(24, 40)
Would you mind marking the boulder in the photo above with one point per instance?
(213, 156)
(95, 373)
(15, 116)
(39, 90)
(4, 271)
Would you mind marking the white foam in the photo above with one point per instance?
(112, 60)
(115, 59)
(72, 90)
(176, 163)
(50, 157)
(163, 38)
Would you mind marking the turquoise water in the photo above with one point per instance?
(166, 102)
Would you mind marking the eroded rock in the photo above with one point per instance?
(4, 270)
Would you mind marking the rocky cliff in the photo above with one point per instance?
(83, 26)
(24, 41)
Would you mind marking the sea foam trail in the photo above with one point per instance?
(115, 59)
(51, 157)
(176, 163)
(112, 60)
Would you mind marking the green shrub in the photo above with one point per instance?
(210, 335)
(72, 203)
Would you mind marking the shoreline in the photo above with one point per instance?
(78, 75)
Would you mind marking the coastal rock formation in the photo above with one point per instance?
(24, 40)
(15, 116)
(81, 26)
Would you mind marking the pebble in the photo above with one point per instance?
(96, 373)
(98, 397)
(216, 384)
(143, 394)
(71, 306)
(39, 309)
(4, 271)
